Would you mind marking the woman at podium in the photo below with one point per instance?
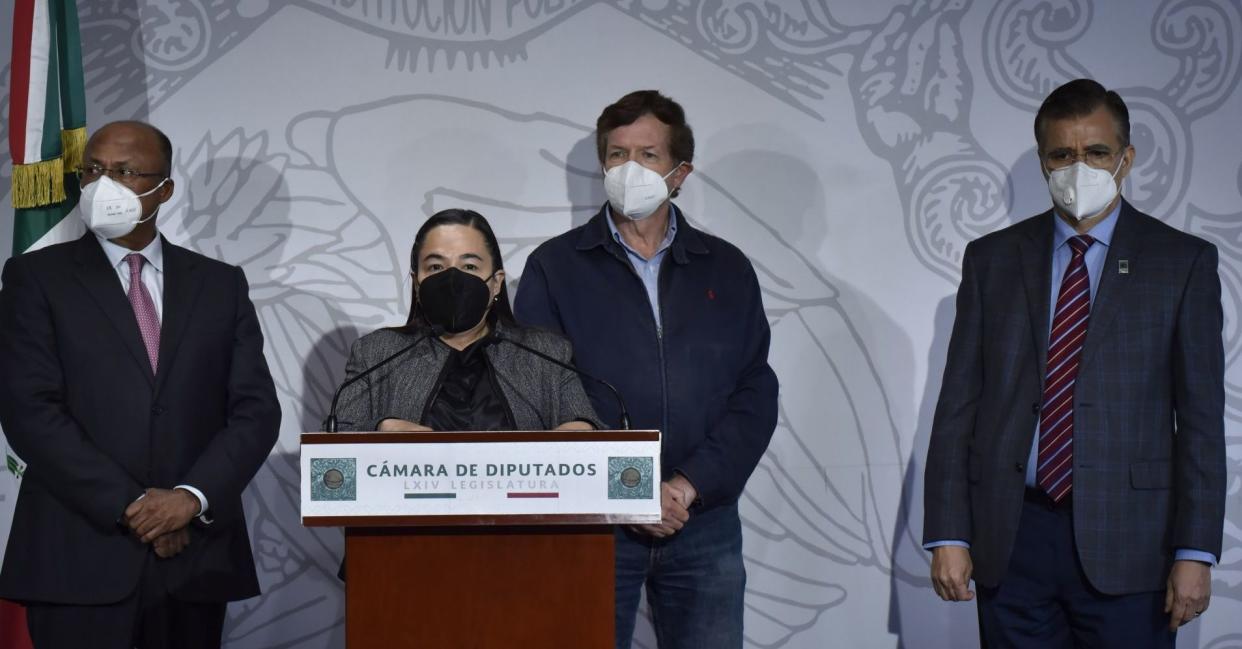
(461, 361)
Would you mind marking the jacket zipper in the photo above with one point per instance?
(658, 326)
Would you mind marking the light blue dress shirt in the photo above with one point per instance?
(648, 270)
(1061, 255)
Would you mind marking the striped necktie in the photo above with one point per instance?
(144, 309)
(1069, 330)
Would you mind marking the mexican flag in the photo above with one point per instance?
(47, 133)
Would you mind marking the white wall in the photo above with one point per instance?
(850, 148)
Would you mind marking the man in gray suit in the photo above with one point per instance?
(1076, 468)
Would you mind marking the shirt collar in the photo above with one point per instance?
(669, 234)
(154, 252)
(1102, 232)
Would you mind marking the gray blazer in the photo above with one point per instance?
(540, 394)
(1149, 439)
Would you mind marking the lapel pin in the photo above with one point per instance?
(1123, 266)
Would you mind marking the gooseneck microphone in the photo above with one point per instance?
(330, 422)
(625, 414)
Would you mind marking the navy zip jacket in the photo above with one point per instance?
(700, 376)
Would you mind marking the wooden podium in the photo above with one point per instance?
(470, 539)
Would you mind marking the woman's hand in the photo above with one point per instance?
(394, 425)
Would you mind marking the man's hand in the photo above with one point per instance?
(1189, 589)
(950, 573)
(172, 543)
(159, 512)
(394, 425)
(683, 492)
(577, 424)
(674, 508)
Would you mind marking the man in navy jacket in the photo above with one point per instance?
(673, 317)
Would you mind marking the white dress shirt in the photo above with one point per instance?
(153, 279)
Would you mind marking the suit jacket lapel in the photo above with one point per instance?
(181, 288)
(99, 279)
(1113, 285)
(1035, 250)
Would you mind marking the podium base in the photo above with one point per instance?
(480, 587)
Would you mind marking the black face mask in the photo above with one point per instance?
(454, 300)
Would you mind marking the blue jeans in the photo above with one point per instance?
(695, 582)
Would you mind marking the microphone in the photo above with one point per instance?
(625, 414)
(330, 422)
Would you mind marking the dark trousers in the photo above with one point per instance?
(147, 619)
(1046, 602)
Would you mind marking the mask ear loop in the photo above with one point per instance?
(1116, 184)
(155, 211)
(1116, 171)
(153, 189)
(673, 170)
(1113, 176)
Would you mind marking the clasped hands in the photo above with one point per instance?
(676, 496)
(161, 518)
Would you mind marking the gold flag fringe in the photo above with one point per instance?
(74, 143)
(39, 183)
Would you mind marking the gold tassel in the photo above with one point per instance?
(74, 143)
(38, 183)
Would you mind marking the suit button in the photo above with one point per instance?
(157, 410)
(1035, 408)
(1019, 467)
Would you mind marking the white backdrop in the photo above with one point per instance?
(850, 148)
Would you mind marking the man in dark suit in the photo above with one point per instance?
(1076, 468)
(133, 384)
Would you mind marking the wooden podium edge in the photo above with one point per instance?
(449, 520)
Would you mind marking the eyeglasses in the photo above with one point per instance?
(91, 173)
(1098, 157)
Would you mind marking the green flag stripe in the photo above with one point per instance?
(73, 101)
(29, 225)
(51, 146)
(64, 103)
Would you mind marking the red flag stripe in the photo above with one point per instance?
(19, 78)
(13, 633)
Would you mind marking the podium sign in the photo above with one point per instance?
(452, 478)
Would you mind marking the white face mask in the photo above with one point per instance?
(635, 190)
(111, 209)
(1083, 191)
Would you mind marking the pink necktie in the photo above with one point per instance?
(1069, 329)
(144, 309)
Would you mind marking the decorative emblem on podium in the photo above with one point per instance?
(333, 478)
(630, 478)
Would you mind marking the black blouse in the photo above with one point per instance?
(467, 396)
